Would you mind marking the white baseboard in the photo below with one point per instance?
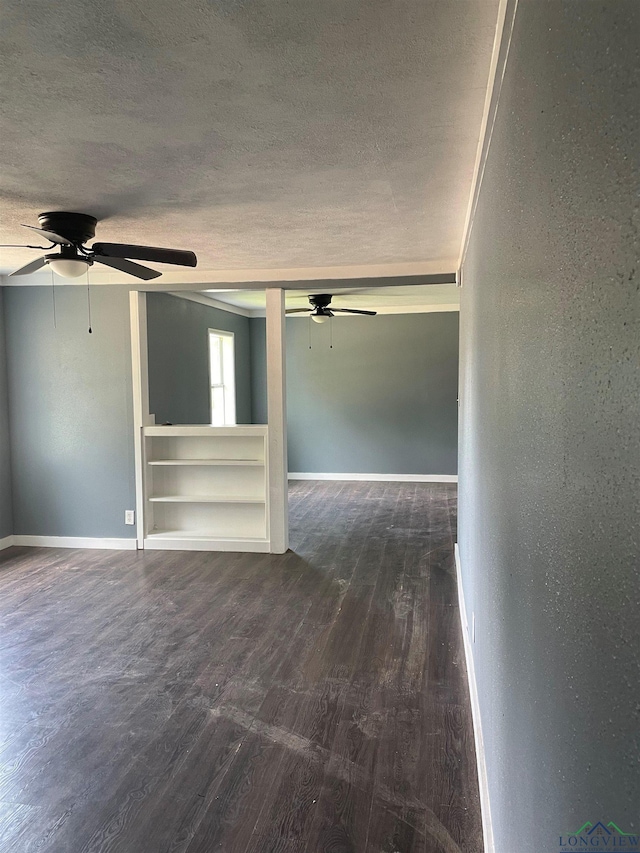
(487, 826)
(7, 542)
(390, 478)
(75, 542)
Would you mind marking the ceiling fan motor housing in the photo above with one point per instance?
(75, 227)
(320, 300)
(69, 253)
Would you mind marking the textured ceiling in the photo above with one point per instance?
(259, 133)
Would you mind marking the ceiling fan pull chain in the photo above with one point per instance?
(330, 332)
(53, 298)
(89, 302)
(309, 324)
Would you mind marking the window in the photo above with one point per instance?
(222, 379)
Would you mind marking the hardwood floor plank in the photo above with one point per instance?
(105, 824)
(270, 738)
(15, 820)
(313, 702)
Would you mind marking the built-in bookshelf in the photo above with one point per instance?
(206, 488)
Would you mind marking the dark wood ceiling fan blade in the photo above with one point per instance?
(355, 311)
(298, 311)
(145, 253)
(32, 267)
(122, 264)
(50, 235)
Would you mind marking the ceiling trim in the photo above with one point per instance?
(499, 56)
(289, 279)
(180, 281)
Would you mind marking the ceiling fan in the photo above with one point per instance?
(68, 232)
(320, 311)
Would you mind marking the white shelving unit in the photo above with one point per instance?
(243, 469)
(205, 488)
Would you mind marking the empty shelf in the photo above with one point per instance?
(202, 499)
(253, 462)
(200, 534)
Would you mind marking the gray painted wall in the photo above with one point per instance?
(6, 511)
(550, 439)
(70, 411)
(179, 359)
(258, 331)
(382, 400)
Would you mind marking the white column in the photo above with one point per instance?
(140, 377)
(277, 421)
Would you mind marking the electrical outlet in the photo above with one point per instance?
(129, 516)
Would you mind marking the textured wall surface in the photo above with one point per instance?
(550, 440)
(6, 510)
(178, 345)
(383, 400)
(71, 411)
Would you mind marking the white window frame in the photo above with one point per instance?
(228, 384)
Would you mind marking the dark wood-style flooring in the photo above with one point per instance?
(196, 702)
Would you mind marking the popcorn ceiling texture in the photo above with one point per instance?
(259, 133)
(550, 438)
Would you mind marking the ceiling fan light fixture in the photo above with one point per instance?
(69, 267)
(70, 232)
(320, 318)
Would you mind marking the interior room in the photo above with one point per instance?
(319, 448)
(345, 404)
